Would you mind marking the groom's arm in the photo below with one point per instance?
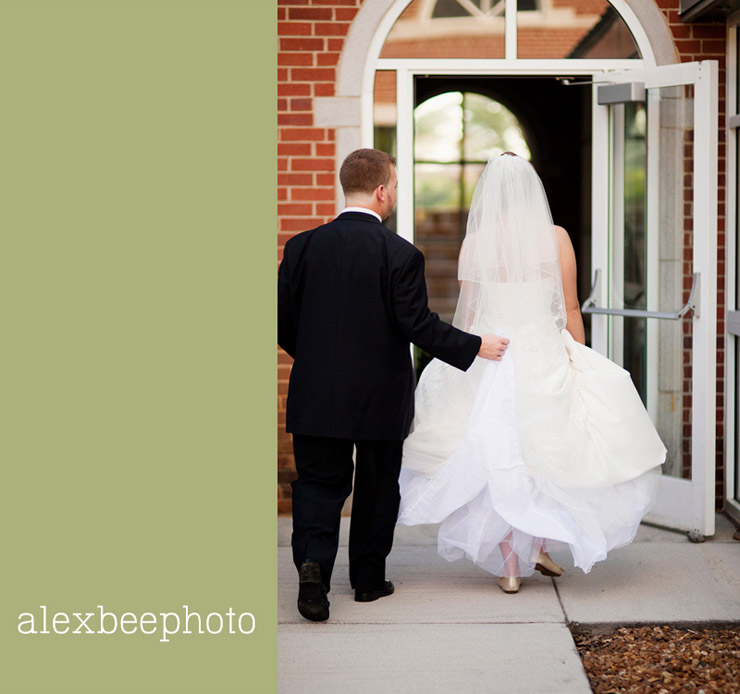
(423, 327)
(286, 322)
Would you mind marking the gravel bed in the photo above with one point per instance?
(661, 659)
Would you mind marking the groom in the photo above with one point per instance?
(351, 296)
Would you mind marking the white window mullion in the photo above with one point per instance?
(510, 50)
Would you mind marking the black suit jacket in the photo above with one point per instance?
(351, 296)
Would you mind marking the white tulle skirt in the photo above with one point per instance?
(549, 447)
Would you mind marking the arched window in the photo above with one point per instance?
(456, 133)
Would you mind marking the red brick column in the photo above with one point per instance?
(311, 36)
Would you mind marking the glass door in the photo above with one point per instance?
(654, 252)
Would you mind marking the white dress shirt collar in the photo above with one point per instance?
(365, 210)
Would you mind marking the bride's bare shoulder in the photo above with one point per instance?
(562, 237)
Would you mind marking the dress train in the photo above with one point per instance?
(549, 448)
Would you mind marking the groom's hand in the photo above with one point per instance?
(493, 347)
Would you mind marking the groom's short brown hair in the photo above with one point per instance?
(364, 170)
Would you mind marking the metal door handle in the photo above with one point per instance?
(589, 306)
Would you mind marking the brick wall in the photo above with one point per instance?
(310, 36)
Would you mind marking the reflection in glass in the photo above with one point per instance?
(476, 29)
(574, 29)
(635, 251)
(471, 174)
(490, 129)
(673, 110)
(448, 8)
(438, 124)
(606, 37)
(437, 186)
(384, 118)
(656, 352)
(467, 8)
(448, 29)
(385, 115)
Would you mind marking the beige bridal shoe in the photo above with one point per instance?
(547, 567)
(509, 584)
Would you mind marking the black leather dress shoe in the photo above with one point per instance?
(312, 601)
(370, 595)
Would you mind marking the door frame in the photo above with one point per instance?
(681, 504)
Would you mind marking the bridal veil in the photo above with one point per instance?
(510, 253)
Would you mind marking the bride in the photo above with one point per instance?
(551, 447)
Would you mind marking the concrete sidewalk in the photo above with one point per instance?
(448, 627)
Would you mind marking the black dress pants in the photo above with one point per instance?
(324, 467)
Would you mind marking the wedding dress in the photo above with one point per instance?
(549, 448)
